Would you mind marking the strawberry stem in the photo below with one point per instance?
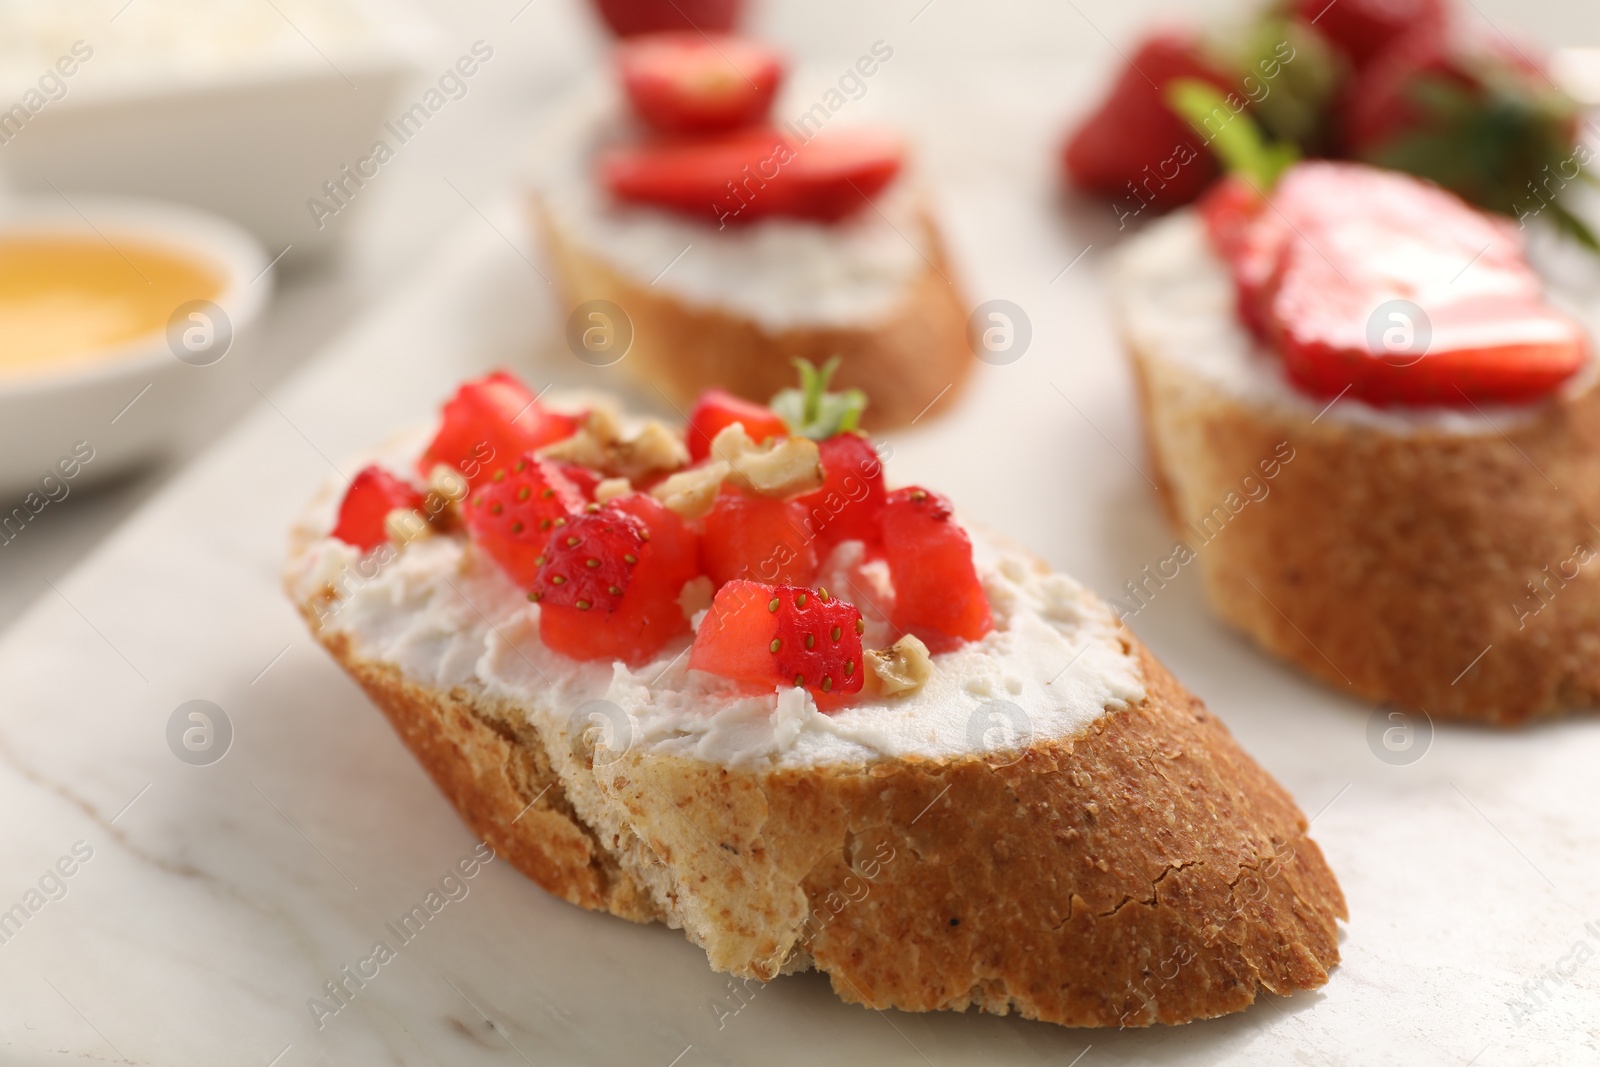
(1231, 133)
(811, 411)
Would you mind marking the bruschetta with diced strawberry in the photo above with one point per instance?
(719, 244)
(729, 677)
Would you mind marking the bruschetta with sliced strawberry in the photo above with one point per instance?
(728, 677)
(726, 243)
(1376, 427)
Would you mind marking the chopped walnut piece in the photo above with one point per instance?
(404, 525)
(600, 445)
(904, 667)
(779, 468)
(692, 493)
(611, 488)
(447, 482)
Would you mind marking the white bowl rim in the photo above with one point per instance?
(247, 273)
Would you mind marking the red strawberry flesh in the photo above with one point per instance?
(748, 535)
(756, 174)
(692, 83)
(717, 409)
(937, 594)
(770, 635)
(588, 563)
(847, 506)
(373, 493)
(649, 613)
(1358, 239)
(511, 515)
(489, 424)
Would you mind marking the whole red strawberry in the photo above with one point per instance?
(511, 516)
(1134, 147)
(1363, 28)
(1474, 115)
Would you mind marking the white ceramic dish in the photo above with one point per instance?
(130, 404)
(245, 115)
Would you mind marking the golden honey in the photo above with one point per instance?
(66, 299)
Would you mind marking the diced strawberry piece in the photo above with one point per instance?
(1363, 238)
(647, 614)
(751, 536)
(717, 409)
(512, 514)
(762, 173)
(629, 17)
(583, 479)
(588, 563)
(937, 594)
(736, 636)
(693, 83)
(489, 424)
(1363, 28)
(771, 635)
(1134, 146)
(373, 493)
(847, 506)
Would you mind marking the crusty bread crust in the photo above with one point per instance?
(1395, 566)
(1144, 871)
(916, 357)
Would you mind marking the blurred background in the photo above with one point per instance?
(182, 98)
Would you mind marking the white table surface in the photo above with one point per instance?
(220, 898)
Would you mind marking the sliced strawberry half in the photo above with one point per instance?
(1134, 145)
(771, 635)
(748, 176)
(937, 594)
(694, 83)
(616, 609)
(373, 493)
(751, 536)
(512, 515)
(847, 506)
(1250, 238)
(1363, 238)
(717, 409)
(489, 424)
(626, 18)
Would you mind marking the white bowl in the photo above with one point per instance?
(250, 133)
(131, 404)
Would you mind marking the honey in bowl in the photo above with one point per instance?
(67, 299)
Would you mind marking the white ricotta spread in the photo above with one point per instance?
(446, 615)
(1176, 302)
(781, 273)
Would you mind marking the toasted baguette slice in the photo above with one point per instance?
(1139, 869)
(911, 358)
(1435, 559)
